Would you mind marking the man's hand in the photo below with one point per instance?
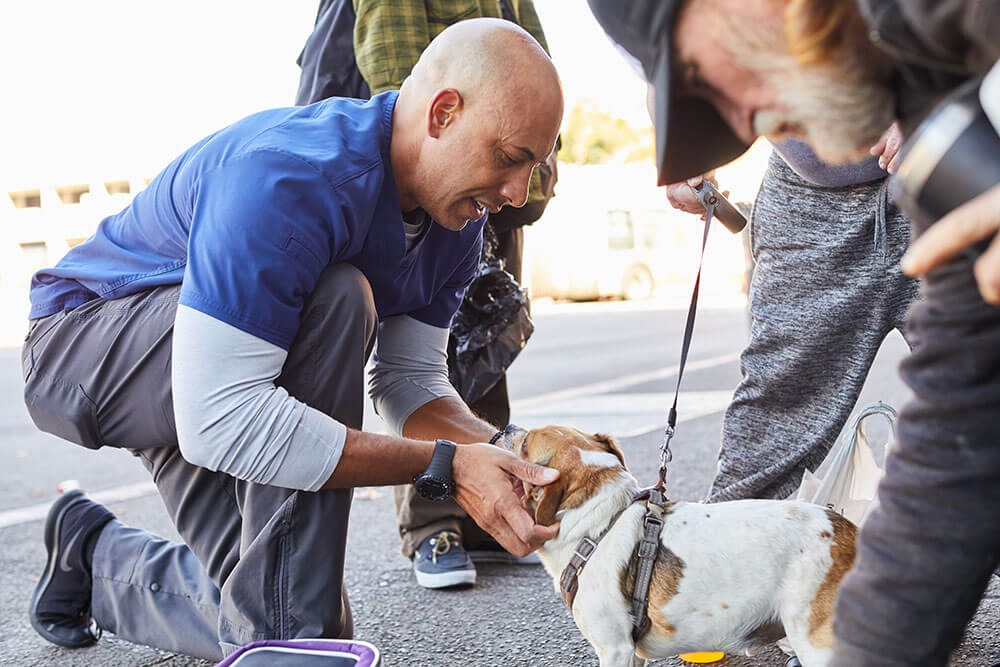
(682, 196)
(486, 478)
(971, 222)
(887, 149)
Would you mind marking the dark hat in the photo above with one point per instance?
(691, 136)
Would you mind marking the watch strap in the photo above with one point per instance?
(444, 453)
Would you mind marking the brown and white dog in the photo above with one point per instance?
(729, 576)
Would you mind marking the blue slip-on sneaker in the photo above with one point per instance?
(441, 562)
(60, 606)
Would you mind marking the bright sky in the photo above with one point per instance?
(111, 87)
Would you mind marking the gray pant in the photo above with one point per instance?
(826, 292)
(257, 562)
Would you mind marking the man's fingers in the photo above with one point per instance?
(893, 165)
(967, 224)
(987, 272)
(531, 472)
(518, 530)
(878, 147)
(682, 197)
(543, 534)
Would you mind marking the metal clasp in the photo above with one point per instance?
(585, 549)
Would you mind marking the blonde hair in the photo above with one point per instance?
(816, 29)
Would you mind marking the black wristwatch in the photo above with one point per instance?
(436, 483)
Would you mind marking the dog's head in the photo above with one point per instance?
(585, 463)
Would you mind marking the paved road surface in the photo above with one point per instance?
(600, 366)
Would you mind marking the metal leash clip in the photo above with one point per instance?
(666, 456)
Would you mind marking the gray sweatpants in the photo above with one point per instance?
(826, 292)
(257, 562)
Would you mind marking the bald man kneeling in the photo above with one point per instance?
(218, 328)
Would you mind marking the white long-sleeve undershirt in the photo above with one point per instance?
(232, 418)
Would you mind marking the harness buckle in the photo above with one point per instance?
(585, 549)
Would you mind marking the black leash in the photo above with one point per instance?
(710, 200)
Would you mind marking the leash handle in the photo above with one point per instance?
(730, 216)
(665, 454)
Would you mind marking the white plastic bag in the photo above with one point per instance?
(847, 479)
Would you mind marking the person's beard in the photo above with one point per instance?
(839, 111)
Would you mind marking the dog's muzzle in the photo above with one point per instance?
(511, 436)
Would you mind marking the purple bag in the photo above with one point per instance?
(305, 653)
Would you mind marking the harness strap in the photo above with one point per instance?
(569, 582)
(649, 549)
(585, 548)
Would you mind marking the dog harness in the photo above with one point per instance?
(656, 502)
(644, 560)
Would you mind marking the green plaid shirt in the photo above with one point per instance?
(390, 35)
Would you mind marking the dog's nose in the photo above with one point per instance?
(511, 437)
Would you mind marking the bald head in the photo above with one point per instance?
(486, 57)
(479, 110)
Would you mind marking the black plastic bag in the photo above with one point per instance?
(491, 326)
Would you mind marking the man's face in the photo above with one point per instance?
(482, 157)
(736, 57)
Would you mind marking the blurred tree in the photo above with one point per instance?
(593, 136)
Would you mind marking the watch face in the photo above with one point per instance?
(434, 487)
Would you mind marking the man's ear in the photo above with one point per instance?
(611, 445)
(442, 110)
(547, 499)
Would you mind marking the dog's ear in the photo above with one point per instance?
(612, 446)
(547, 500)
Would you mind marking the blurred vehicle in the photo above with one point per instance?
(610, 233)
(612, 253)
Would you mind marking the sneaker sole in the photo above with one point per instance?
(502, 557)
(53, 524)
(445, 579)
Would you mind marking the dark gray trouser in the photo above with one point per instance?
(419, 518)
(928, 547)
(258, 562)
(826, 292)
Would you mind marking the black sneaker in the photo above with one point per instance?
(60, 607)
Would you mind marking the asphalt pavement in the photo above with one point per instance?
(513, 616)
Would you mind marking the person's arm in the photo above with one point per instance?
(409, 373)
(410, 389)
(230, 415)
(486, 479)
(388, 40)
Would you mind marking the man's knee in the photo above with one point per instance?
(343, 295)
